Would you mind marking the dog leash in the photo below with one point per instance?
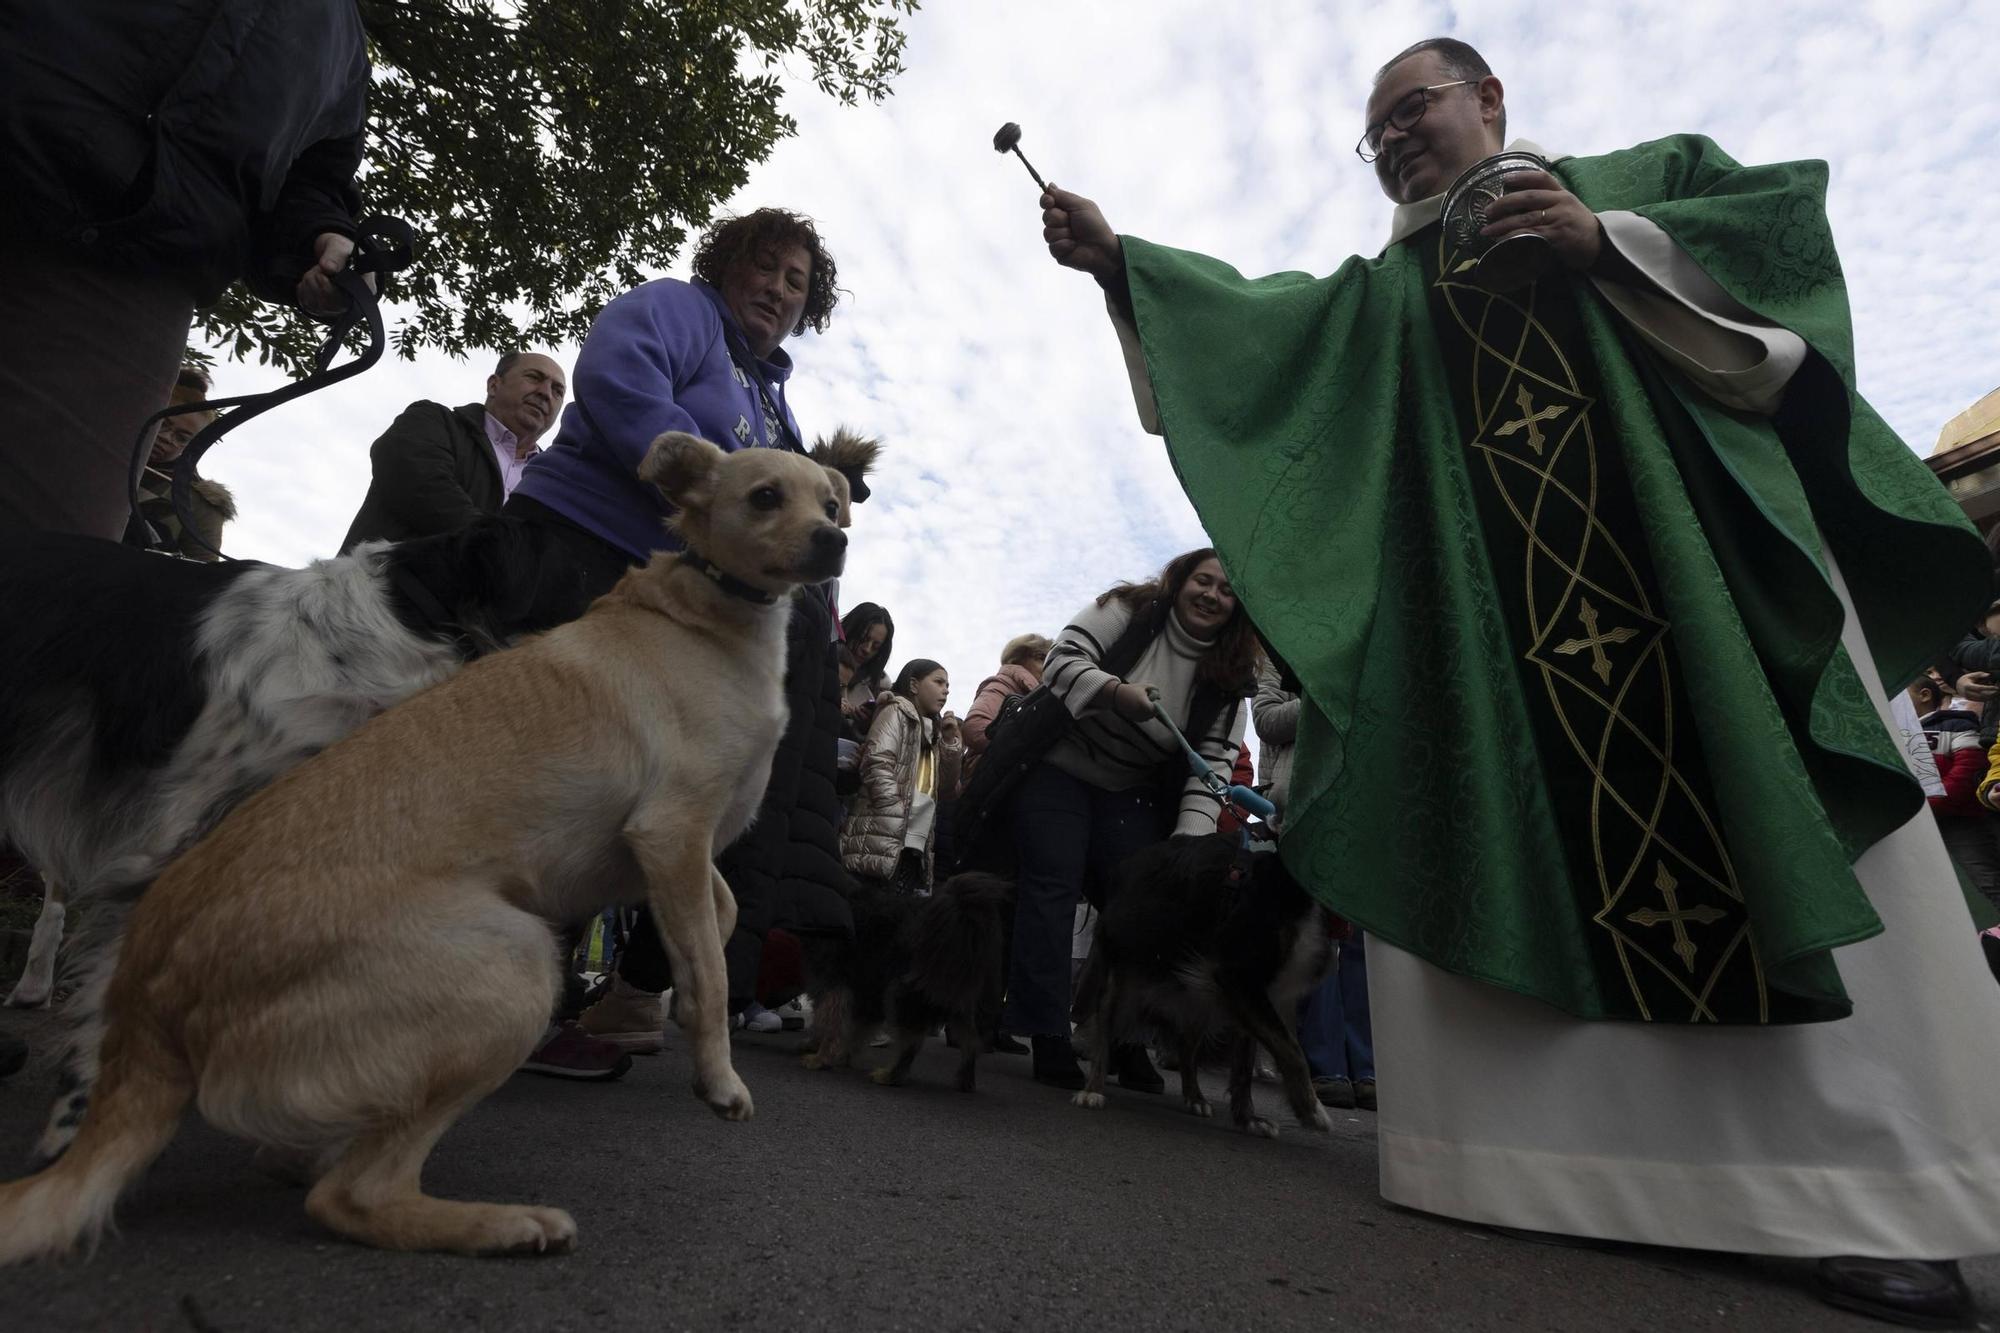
(1223, 790)
(382, 245)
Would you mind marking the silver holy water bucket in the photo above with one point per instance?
(1511, 262)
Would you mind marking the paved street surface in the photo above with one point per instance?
(845, 1205)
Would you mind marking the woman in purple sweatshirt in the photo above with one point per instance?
(704, 357)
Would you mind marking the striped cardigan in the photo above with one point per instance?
(1109, 752)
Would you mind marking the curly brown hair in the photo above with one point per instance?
(1232, 662)
(746, 237)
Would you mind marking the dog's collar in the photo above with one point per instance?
(729, 583)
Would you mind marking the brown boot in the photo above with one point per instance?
(629, 1018)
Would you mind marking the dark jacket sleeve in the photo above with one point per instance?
(1975, 652)
(416, 490)
(318, 196)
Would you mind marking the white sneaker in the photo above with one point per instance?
(756, 1018)
(796, 1013)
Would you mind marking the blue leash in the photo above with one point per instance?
(1232, 794)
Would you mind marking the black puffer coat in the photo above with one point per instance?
(785, 870)
(211, 139)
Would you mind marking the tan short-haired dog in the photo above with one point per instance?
(603, 762)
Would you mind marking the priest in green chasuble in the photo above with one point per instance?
(1666, 946)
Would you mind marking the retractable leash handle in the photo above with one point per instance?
(1220, 787)
(382, 245)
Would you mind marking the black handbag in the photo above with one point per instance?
(1026, 728)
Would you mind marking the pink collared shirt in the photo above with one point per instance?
(505, 443)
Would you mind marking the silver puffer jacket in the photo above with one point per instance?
(878, 816)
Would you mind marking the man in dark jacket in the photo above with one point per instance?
(155, 154)
(437, 468)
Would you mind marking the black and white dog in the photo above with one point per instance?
(1200, 935)
(145, 696)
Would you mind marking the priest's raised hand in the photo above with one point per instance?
(1078, 236)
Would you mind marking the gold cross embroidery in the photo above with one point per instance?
(1675, 916)
(1530, 419)
(1594, 641)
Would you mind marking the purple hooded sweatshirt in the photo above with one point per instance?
(657, 359)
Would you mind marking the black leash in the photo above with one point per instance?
(382, 245)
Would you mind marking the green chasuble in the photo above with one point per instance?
(1643, 764)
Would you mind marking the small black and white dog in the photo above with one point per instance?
(1199, 935)
(145, 696)
(913, 963)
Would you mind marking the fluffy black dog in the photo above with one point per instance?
(1200, 934)
(912, 964)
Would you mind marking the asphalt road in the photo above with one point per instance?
(845, 1205)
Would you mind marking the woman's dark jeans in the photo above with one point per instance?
(1334, 1026)
(1070, 838)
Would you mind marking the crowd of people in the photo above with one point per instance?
(1560, 896)
(1953, 707)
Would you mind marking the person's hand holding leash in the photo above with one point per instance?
(1130, 702)
(317, 294)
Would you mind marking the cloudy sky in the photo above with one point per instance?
(1017, 484)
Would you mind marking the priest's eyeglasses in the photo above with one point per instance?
(1409, 109)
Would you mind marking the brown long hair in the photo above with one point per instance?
(1232, 662)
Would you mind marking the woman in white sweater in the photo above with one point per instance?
(1116, 782)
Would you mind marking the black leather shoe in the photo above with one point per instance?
(1335, 1090)
(1006, 1045)
(1135, 1068)
(1916, 1293)
(1055, 1064)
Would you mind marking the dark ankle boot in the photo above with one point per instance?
(1913, 1292)
(1135, 1068)
(1055, 1063)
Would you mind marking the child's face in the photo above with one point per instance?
(846, 675)
(930, 692)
